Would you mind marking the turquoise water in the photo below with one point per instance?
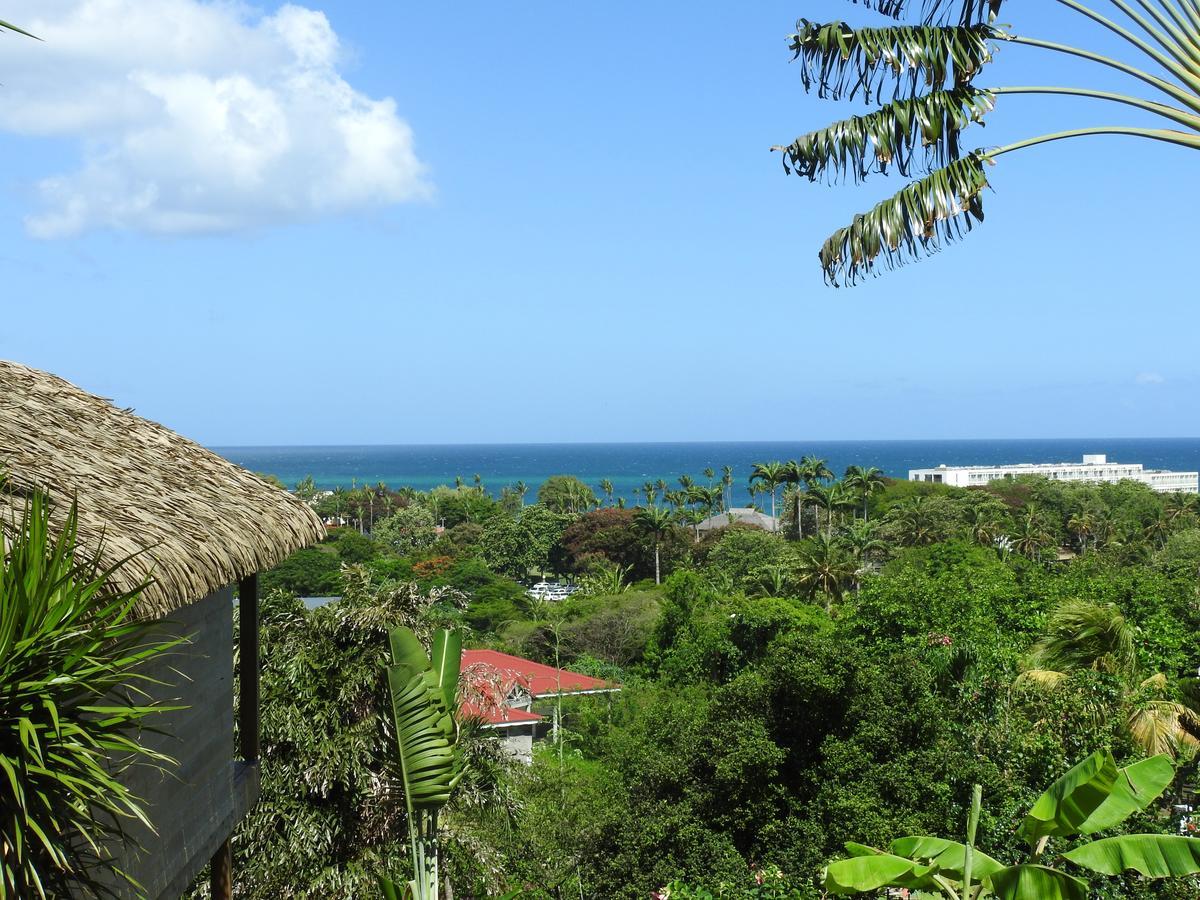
(630, 465)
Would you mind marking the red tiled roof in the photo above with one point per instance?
(504, 717)
(540, 680)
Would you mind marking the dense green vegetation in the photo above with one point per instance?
(781, 694)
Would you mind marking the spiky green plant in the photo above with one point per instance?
(72, 701)
(921, 77)
(424, 690)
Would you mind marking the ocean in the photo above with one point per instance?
(630, 465)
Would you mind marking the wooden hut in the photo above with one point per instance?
(197, 525)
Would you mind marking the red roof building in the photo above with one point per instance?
(501, 688)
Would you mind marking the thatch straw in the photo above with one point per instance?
(193, 522)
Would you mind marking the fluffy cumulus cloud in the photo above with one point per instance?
(196, 117)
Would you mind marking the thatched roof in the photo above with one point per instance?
(198, 521)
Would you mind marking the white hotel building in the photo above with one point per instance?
(1094, 468)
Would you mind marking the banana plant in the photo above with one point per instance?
(1093, 796)
(423, 690)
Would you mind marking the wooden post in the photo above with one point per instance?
(221, 879)
(248, 651)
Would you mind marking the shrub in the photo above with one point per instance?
(69, 650)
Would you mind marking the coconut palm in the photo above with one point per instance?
(862, 540)
(923, 77)
(915, 523)
(823, 567)
(710, 474)
(984, 523)
(1082, 524)
(1180, 507)
(1084, 636)
(770, 474)
(864, 481)
(653, 521)
(606, 487)
(1029, 536)
(521, 489)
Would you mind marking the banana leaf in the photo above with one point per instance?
(1151, 855)
(1069, 802)
(860, 874)
(947, 856)
(1029, 882)
(1137, 787)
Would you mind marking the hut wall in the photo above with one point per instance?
(194, 806)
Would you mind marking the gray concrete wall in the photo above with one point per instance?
(195, 805)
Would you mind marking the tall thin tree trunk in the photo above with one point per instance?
(657, 579)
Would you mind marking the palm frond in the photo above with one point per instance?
(938, 11)
(1156, 727)
(1045, 679)
(1084, 635)
(925, 127)
(922, 216)
(841, 60)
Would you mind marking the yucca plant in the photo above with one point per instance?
(923, 80)
(1094, 796)
(72, 702)
(424, 690)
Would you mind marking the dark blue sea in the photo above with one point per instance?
(630, 465)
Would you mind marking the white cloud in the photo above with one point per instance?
(1149, 378)
(198, 117)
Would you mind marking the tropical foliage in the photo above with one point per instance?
(924, 80)
(75, 698)
(1092, 797)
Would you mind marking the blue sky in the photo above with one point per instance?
(554, 222)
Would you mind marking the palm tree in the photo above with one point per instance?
(710, 474)
(771, 474)
(727, 484)
(815, 469)
(521, 489)
(1082, 524)
(648, 490)
(923, 77)
(1179, 507)
(1030, 537)
(915, 523)
(1083, 636)
(1158, 529)
(822, 498)
(606, 487)
(864, 481)
(794, 474)
(861, 540)
(823, 566)
(983, 523)
(654, 521)
(843, 500)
